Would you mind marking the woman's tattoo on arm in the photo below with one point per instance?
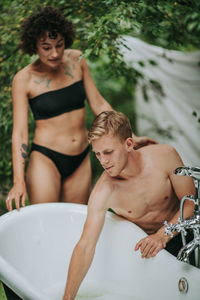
(24, 150)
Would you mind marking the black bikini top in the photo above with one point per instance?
(57, 102)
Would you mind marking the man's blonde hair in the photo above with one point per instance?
(110, 122)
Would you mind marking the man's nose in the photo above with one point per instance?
(103, 160)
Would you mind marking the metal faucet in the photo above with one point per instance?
(192, 223)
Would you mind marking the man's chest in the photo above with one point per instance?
(138, 197)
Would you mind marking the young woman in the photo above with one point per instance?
(55, 86)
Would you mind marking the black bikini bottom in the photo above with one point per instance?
(66, 164)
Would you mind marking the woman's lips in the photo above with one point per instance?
(53, 60)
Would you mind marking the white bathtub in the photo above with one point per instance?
(36, 245)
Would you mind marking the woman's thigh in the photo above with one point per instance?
(76, 188)
(43, 179)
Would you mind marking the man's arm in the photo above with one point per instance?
(182, 185)
(84, 251)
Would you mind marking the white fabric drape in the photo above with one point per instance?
(169, 116)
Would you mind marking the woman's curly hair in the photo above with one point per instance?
(45, 19)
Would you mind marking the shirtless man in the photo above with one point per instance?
(138, 185)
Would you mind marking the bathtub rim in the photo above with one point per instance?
(72, 207)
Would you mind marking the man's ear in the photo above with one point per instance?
(129, 144)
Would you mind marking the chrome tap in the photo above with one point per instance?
(192, 223)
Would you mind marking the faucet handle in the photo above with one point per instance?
(178, 227)
(168, 229)
(182, 225)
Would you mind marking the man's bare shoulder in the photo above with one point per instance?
(102, 191)
(159, 149)
(104, 184)
(163, 156)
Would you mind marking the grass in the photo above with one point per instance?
(2, 293)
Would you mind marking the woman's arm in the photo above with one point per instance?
(19, 141)
(95, 100)
(98, 104)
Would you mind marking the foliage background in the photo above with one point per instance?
(99, 24)
(2, 293)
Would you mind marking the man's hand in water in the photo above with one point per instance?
(151, 245)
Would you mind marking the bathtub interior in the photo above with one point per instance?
(36, 247)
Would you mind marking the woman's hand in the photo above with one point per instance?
(141, 141)
(18, 194)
